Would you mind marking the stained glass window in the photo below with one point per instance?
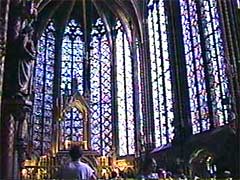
(101, 95)
(124, 94)
(71, 72)
(160, 73)
(209, 96)
(43, 88)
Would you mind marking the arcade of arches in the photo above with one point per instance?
(122, 79)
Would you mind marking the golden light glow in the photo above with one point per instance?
(82, 144)
(123, 164)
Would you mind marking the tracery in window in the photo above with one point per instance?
(101, 95)
(71, 76)
(43, 89)
(160, 73)
(124, 78)
(209, 94)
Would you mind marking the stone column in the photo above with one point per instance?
(16, 100)
(229, 16)
(13, 138)
(7, 140)
(7, 119)
(4, 9)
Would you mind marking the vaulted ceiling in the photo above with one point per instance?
(129, 12)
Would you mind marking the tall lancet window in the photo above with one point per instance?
(160, 73)
(101, 96)
(210, 99)
(43, 89)
(71, 72)
(125, 113)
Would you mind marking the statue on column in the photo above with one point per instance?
(17, 84)
(23, 56)
(26, 54)
(25, 64)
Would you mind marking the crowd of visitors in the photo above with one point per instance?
(78, 170)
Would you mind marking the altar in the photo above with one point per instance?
(46, 166)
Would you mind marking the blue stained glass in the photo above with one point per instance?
(43, 86)
(71, 69)
(196, 69)
(124, 94)
(101, 96)
(160, 72)
(216, 62)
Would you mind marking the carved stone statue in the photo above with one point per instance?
(25, 64)
(17, 84)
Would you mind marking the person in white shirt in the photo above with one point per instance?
(76, 170)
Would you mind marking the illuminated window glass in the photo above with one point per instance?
(209, 94)
(43, 89)
(71, 70)
(160, 73)
(101, 95)
(124, 94)
(101, 80)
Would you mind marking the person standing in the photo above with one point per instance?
(76, 169)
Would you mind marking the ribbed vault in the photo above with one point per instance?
(129, 12)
